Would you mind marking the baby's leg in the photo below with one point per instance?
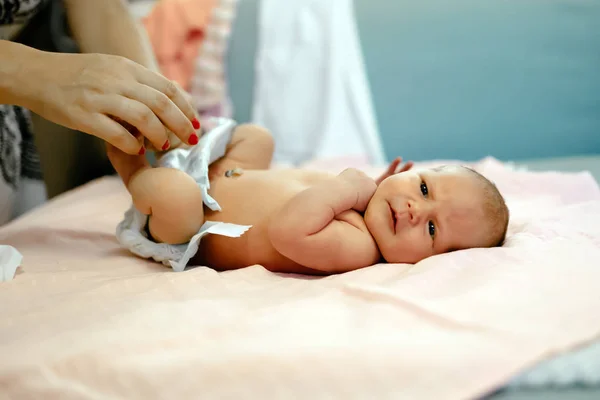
(170, 197)
(251, 147)
(126, 165)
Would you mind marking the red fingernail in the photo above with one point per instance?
(166, 145)
(195, 123)
(142, 151)
(193, 139)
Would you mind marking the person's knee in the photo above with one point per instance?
(173, 201)
(256, 133)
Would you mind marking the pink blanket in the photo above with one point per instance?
(85, 319)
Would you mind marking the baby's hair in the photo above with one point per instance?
(494, 208)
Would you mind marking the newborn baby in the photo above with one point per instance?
(315, 222)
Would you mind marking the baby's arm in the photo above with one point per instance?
(313, 228)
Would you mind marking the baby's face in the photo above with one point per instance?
(417, 214)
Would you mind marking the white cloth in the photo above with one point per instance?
(311, 88)
(195, 162)
(10, 260)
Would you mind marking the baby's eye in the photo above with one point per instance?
(431, 229)
(424, 189)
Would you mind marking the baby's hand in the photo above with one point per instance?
(393, 169)
(360, 182)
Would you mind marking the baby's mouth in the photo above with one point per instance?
(393, 218)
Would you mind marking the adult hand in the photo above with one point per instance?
(174, 141)
(393, 169)
(104, 95)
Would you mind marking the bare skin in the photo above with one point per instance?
(113, 85)
(303, 221)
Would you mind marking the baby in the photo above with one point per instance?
(314, 222)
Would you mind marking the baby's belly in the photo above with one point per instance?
(250, 199)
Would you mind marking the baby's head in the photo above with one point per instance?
(417, 214)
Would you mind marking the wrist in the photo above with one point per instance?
(357, 187)
(16, 75)
(347, 195)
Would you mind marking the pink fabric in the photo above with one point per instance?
(176, 30)
(85, 319)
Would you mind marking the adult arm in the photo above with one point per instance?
(91, 92)
(108, 27)
(15, 63)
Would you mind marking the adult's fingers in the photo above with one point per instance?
(172, 91)
(174, 142)
(139, 115)
(114, 133)
(168, 112)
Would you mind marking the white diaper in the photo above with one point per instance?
(131, 232)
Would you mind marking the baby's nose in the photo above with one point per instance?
(415, 212)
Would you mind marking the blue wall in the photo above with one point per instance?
(469, 78)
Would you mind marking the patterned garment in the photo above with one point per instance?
(15, 13)
(19, 159)
(18, 155)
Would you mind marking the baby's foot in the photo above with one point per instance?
(126, 165)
